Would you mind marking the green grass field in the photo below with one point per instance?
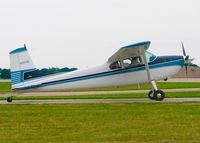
(6, 87)
(100, 123)
(103, 123)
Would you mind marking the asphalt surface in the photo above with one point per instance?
(86, 101)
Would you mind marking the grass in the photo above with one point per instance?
(109, 96)
(6, 87)
(103, 123)
(100, 123)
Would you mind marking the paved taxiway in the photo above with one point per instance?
(84, 101)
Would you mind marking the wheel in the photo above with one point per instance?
(9, 99)
(159, 95)
(151, 95)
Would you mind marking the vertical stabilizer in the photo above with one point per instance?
(20, 62)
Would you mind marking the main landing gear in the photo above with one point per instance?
(156, 94)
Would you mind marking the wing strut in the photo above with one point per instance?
(153, 83)
(154, 94)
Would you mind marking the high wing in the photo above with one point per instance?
(130, 51)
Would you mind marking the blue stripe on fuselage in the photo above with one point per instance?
(178, 62)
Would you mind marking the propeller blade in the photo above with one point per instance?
(190, 60)
(184, 52)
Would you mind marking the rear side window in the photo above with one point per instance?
(32, 74)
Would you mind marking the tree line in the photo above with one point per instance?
(5, 73)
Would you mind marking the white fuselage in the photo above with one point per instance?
(100, 76)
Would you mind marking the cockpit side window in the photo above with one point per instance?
(133, 61)
(116, 65)
(127, 62)
(136, 60)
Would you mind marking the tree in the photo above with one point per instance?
(44, 71)
(66, 69)
(53, 70)
(5, 74)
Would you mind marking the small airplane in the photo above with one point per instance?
(131, 64)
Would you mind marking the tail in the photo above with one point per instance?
(20, 64)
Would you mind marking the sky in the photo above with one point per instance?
(85, 33)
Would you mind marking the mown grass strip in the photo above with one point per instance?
(109, 96)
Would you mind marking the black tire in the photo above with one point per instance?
(151, 95)
(159, 95)
(9, 99)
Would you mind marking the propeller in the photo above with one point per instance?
(187, 59)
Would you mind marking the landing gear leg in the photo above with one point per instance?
(156, 94)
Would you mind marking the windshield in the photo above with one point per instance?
(150, 57)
